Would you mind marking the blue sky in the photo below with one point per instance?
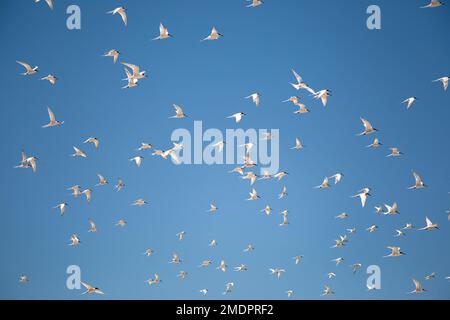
(327, 42)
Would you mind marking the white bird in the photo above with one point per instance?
(400, 233)
(444, 81)
(343, 215)
(417, 287)
(277, 271)
(93, 226)
(23, 278)
(93, 140)
(28, 69)
(163, 33)
(298, 144)
(300, 84)
(219, 145)
(301, 109)
(91, 289)
(363, 193)
(430, 225)
(154, 280)
(249, 248)
(76, 192)
(237, 116)
(323, 95)
(49, 3)
(137, 160)
(253, 195)
(213, 207)
(379, 210)
(181, 235)
(228, 287)
(285, 221)
(255, 3)
(122, 12)
(179, 114)
(351, 231)
(290, 293)
(213, 243)
(132, 82)
(50, 78)
(283, 193)
(324, 184)
(112, 53)
(119, 185)
(182, 274)
(430, 276)
(53, 122)
(175, 258)
(355, 267)
(327, 291)
(205, 263)
(331, 275)
(61, 207)
(148, 252)
(256, 98)
(144, 146)
(338, 260)
(136, 73)
(434, 4)
(372, 228)
(204, 291)
(375, 144)
(139, 202)
(87, 193)
(391, 210)
(101, 181)
(395, 152)
(241, 268)
(214, 35)
(337, 177)
(74, 241)
(267, 210)
(408, 226)
(298, 259)
(121, 223)
(418, 182)
(395, 252)
(79, 153)
(409, 102)
(222, 266)
(368, 129)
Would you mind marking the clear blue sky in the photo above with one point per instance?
(327, 42)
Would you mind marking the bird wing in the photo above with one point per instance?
(51, 115)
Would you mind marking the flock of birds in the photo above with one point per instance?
(134, 74)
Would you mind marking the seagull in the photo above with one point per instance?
(28, 69)
(213, 243)
(253, 195)
(74, 241)
(418, 287)
(237, 116)
(144, 146)
(148, 252)
(50, 78)
(430, 276)
(324, 184)
(214, 35)
(49, 3)
(122, 12)
(327, 291)
(375, 144)
(95, 141)
(249, 248)
(331, 275)
(323, 95)
(395, 152)
(53, 122)
(363, 193)
(228, 287)
(355, 267)
(444, 81)
(204, 291)
(182, 274)
(400, 233)
(419, 183)
(121, 223)
(276, 271)
(434, 4)
(391, 210)
(87, 193)
(408, 226)
(409, 102)
(102, 181)
(181, 235)
(298, 259)
(372, 229)
(61, 207)
(283, 193)
(78, 153)
(23, 278)
(179, 114)
(222, 266)
(255, 3)
(337, 177)
(342, 216)
(175, 258)
(137, 160)
(213, 207)
(368, 129)
(300, 84)
(205, 263)
(163, 33)
(241, 268)
(75, 191)
(119, 185)
(267, 210)
(256, 97)
(90, 289)
(139, 202)
(290, 293)
(112, 53)
(395, 252)
(338, 260)
(430, 225)
(93, 226)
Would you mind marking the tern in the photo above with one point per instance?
(23, 278)
(87, 193)
(290, 293)
(444, 81)
(205, 263)
(78, 153)
(395, 252)
(137, 160)
(50, 78)
(122, 12)
(182, 274)
(400, 233)
(283, 193)
(372, 229)
(222, 266)
(255, 3)
(430, 225)
(61, 207)
(337, 177)
(417, 287)
(256, 98)
(395, 152)
(300, 84)
(267, 210)
(327, 291)
(298, 259)
(214, 35)
(409, 102)
(119, 185)
(363, 193)
(277, 271)
(144, 146)
(430, 276)
(154, 280)
(175, 258)
(213, 208)
(136, 74)
(355, 267)
(408, 226)
(237, 116)
(213, 243)
(121, 223)
(90, 289)
(93, 140)
(179, 114)
(249, 248)
(101, 181)
(434, 4)
(204, 291)
(139, 202)
(338, 260)
(418, 182)
(163, 33)
(331, 275)
(253, 195)
(324, 184)
(76, 191)
(112, 53)
(93, 226)
(323, 96)
(74, 241)
(180, 235)
(49, 3)
(391, 210)
(53, 122)
(148, 252)
(368, 129)
(375, 144)
(342, 216)
(241, 268)
(28, 69)
(228, 287)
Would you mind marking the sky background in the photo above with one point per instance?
(328, 43)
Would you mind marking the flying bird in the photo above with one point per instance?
(418, 182)
(50, 78)
(49, 3)
(375, 144)
(137, 160)
(395, 252)
(179, 114)
(430, 225)
(53, 122)
(79, 153)
(237, 116)
(322, 95)
(91, 289)
(93, 226)
(444, 81)
(214, 35)
(28, 69)
(255, 3)
(113, 53)
(417, 287)
(122, 12)
(94, 141)
(256, 98)
(163, 33)
(409, 102)
(362, 194)
(368, 129)
(62, 208)
(434, 4)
